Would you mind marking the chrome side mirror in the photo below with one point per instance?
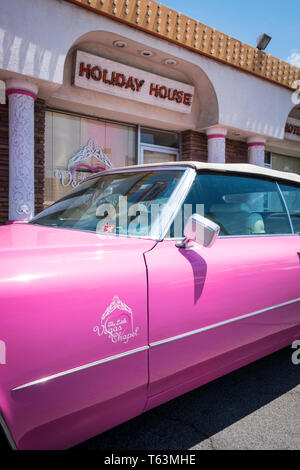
(200, 230)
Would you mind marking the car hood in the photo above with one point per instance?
(23, 237)
(26, 247)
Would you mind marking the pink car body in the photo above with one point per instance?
(99, 328)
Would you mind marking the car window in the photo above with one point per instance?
(292, 197)
(128, 203)
(240, 205)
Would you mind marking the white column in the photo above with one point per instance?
(256, 150)
(216, 140)
(21, 96)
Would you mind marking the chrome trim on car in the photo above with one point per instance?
(216, 325)
(260, 235)
(136, 169)
(171, 209)
(77, 369)
(152, 345)
(7, 433)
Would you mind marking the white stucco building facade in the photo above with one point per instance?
(134, 95)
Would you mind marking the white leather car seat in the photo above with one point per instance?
(237, 219)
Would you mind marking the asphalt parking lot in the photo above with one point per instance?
(256, 407)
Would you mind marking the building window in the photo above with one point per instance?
(75, 147)
(268, 159)
(284, 163)
(2, 92)
(160, 138)
(158, 146)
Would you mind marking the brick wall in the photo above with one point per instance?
(194, 147)
(3, 163)
(39, 129)
(39, 154)
(236, 151)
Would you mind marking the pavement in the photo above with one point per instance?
(256, 407)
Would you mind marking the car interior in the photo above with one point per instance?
(243, 205)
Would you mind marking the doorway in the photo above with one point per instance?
(157, 146)
(156, 154)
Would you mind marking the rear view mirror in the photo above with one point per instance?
(200, 230)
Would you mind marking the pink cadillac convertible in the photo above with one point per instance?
(138, 286)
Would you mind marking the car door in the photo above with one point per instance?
(212, 310)
(74, 319)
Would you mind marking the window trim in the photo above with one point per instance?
(141, 146)
(296, 186)
(158, 149)
(263, 235)
(166, 131)
(286, 207)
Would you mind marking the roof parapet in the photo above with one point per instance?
(170, 25)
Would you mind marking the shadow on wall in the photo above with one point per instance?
(46, 64)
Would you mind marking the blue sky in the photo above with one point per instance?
(247, 19)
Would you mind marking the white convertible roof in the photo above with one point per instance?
(222, 167)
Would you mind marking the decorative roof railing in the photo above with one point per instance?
(165, 23)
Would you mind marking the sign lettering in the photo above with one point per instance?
(105, 76)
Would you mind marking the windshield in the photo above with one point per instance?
(129, 203)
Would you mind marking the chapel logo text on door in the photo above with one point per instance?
(117, 323)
